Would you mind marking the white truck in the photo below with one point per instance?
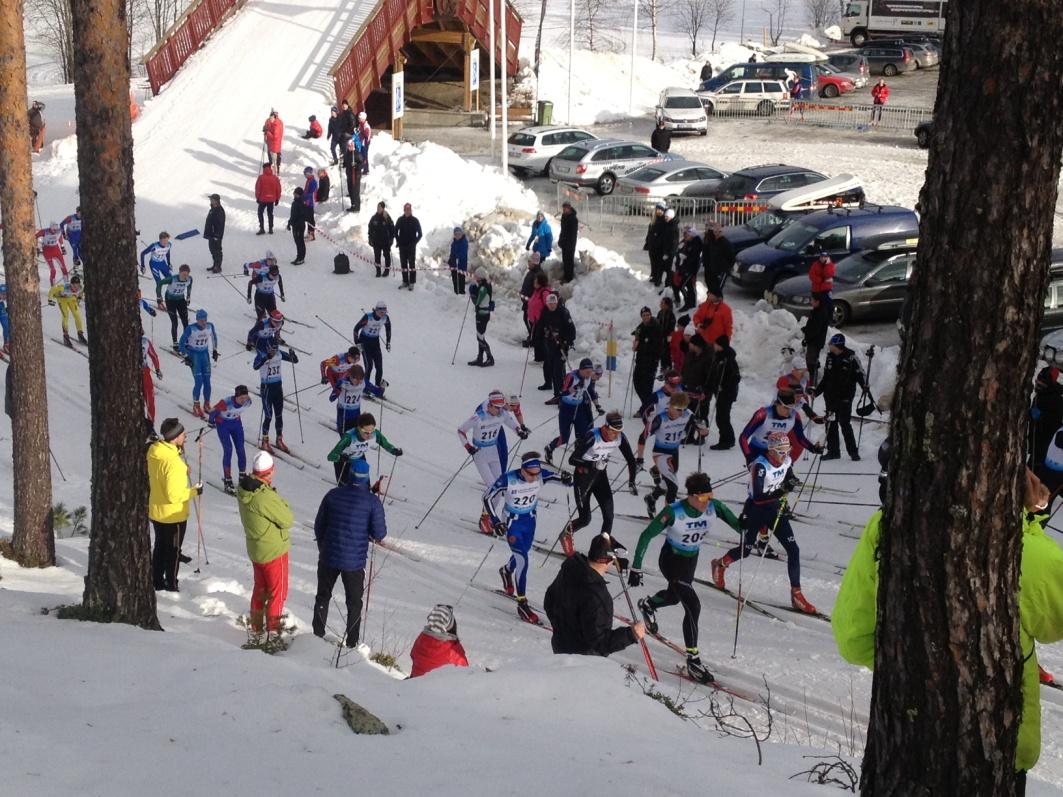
(866, 19)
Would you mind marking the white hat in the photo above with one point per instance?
(669, 214)
(689, 331)
(798, 362)
(380, 305)
(270, 255)
(262, 463)
(361, 115)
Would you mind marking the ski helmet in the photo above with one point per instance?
(496, 398)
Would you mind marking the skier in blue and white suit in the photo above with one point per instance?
(481, 432)
(521, 490)
(160, 258)
(367, 335)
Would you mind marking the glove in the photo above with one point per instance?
(289, 228)
(214, 355)
(598, 409)
(212, 422)
(527, 248)
(631, 486)
(500, 528)
(161, 304)
(397, 452)
(249, 347)
(249, 300)
(470, 448)
(818, 448)
(158, 374)
(523, 432)
(335, 394)
(51, 303)
(638, 464)
(324, 380)
(818, 419)
(566, 478)
(634, 578)
(295, 357)
(282, 298)
(387, 346)
(187, 360)
(141, 269)
(198, 488)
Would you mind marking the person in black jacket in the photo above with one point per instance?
(718, 255)
(687, 269)
(407, 234)
(660, 138)
(647, 344)
(666, 319)
(381, 232)
(580, 607)
(1046, 413)
(567, 241)
(724, 385)
(348, 122)
(527, 288)
(841, 376)
(334, 132)
(589, 460)
(696, 375)
(654, 245)
(815, 336)
(214, 231)
(297, 225)
(352, 167)
(556, 333)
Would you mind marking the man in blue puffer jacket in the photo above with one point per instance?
(349, 516)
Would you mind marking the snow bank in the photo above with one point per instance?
(833, 32)
(808, 41)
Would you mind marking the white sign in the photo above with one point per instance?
(474, 69)
(398, 95)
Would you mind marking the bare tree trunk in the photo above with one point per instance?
(539, 38)
(118, 583)
(653, 29)
(946, 701)
(33, 540)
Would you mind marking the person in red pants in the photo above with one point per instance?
(267, 521)
(150, 363)
(438, 645)
(52, 247)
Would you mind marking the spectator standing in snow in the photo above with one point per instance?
(352, 167)
(580, 607)
(686, 273)
(297, 225)
(349, 519)
(647, 344)
(527, 286)
(310, 199)
(821, 277)
(273, 133)
(841, 376)
(555, 332)
(458, 260)
(666, 320)
(407, 235)
(542, 237)
(706, 72)
(714, 317)
(268, 196)
(314, 130)
(718, 255)
(348, 122)
(815, 336)
(567, 241)
(168, 497)
(365, 135)
(381, 233)
(660, 138)
(724, 386)
(214, 231)
(438, 644)
(334, 131)
(37, 125)
(267, 520)
(880, 92)
(536, 305)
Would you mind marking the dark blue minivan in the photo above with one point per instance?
(837, 231)
(768, 70)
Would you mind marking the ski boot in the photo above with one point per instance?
(227, 483)
(280, 445)
(655, 474)
(82, 338)
(651, 505)
(197, 410)
(479, 361)
(566, 540)
(548, 453)
(507, 580)
(800, 602)
(719, 567)
(696, 670)
(264, 444)
(66, 341)
(1045, 676)
(524, 611)
(489, 361)
(649, 615)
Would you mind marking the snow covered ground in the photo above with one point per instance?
(186, 707)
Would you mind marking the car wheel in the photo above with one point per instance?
(606, 184)
(889, 70)
(546, 168)
(829, 91)
(922, 138)
(841, 315)
(704, 132)
(765, 108)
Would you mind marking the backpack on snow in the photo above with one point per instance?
(341, 264)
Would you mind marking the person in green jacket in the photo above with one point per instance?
(357, 443)
(1040, 611)
(686, 525)
(482, 295)
(267, 521)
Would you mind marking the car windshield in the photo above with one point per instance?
(793, 237)
(682, 102)
(522, 139)
(737, 184)
(767, 223)
(647, 175)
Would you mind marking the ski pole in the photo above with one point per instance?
(631, 608)
(387, 487)
(56, 463)
(462, 329)
(450, 481)
(369, 583)
(298, 406)
(756, 570)
(815, 480)
(573, 513)
(527, 356)
(326, 323)
(867, 389)
(37, 204)
(200, 539)
(475, 573)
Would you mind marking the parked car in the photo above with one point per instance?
(1053, 317)
(927, 52)
(681, 111)
(841, 191)
(923, 133)
(747, 96)
(839, 232)
(858, 80)
(851, 63)
(868, 284)
(831, 83)
(664, 182)
(888, 60)
(761, 182)
(532, 148)
(767, 70)
(597, 164)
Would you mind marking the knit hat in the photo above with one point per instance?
(723, 341)
(262, 464)
(799, 362)
(441, 620)
(458, 230)
(171, 429)
(837, 339)
(308, 170)
(601, 549)
(586, 362)
(201, 314)
(552, 298)
(358, 472)
(645, 309)
(669, 214)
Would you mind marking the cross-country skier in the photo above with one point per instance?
(52, 249)
(266, 332)
(480, 433)
(160, 258)
(332, 368)
(763, 515)
(686, 525)
(481, 293)
(577, 396)
(198, 345)
(356, 443)
(71, 227)
(673, 383)
(150, 362)
(590, 460)
(513, 405)
(348, 397)
(68, 294)
(269, 364)
(367, 334)
(173, 294)
(5, 322)
(521, 489)
(267, 287)
(225, 418)
(779, 416)
(667, 430)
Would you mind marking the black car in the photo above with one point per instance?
(923, 132)
(761, 182)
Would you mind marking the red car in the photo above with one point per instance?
(831, 83)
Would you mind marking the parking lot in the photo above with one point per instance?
(911, 89)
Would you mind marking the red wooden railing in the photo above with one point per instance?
(184, 37)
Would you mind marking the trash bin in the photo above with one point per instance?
(544, 112)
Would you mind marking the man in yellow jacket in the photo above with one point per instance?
(69, 295)
(1040, 611)
(168, 497)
